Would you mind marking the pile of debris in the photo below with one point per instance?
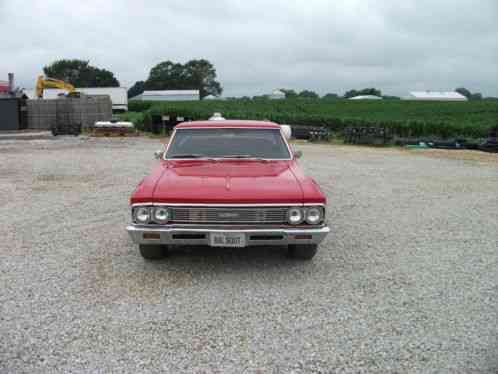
(367, 135)
(310, 133)
(490, 145)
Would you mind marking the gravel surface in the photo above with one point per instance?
(407, 282)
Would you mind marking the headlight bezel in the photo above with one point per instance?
(159, 220)
(295, 209)
(318, 211)
(137, 212)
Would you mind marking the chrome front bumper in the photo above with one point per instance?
(141, 234)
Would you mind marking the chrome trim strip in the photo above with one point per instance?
(254, 205)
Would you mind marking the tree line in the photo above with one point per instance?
(197, 74)
(193, 75)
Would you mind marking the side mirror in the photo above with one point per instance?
(298, 154)
(159, 154)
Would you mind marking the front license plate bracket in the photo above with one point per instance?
(227, 239)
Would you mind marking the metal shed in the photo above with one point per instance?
(12, 114)
(168, 95)
(435, 96)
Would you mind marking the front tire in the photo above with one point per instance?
(153, 252)
(303, 251)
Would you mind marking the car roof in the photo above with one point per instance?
(228, 123)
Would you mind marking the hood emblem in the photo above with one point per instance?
(228, 183)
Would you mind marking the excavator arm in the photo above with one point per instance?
(43, 83)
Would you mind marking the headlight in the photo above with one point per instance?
(161, 215)
(314, 215)
(142, 215)
(295, 216)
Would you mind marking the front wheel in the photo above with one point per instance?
(153, 252)
(303, 251)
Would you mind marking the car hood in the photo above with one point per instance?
(218, 182)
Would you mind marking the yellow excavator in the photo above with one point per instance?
(43, 83)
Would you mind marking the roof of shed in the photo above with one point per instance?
(170, 92)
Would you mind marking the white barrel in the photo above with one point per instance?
(286, 129)
(102, 124)
(124, 124)
(121, 124)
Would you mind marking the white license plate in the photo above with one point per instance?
(227, 239)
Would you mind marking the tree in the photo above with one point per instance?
(330, 96)
(365, 91)
(137, 89)
(202, 74)
(308, 94)
(289, 94)
(194, 75)
(463, 91)
(469, 95)
(80, 73)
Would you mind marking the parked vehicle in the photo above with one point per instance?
(228, 184)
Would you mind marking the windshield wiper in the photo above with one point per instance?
(188, 155)
(252, 157)
(238, 156)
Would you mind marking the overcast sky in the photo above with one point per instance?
(259, 45)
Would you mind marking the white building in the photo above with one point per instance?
(277, 95)
(435, 96)
(366, 97)
(211, 97)
(118, 95)
(168, 95)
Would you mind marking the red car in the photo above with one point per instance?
(227, 183)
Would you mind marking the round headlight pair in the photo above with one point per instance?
(312, 216)
(145, 215)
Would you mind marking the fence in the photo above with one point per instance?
(85, 110)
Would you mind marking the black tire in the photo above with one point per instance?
(153, 252)
(303, 251)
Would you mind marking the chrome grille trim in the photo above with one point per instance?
(190, 214)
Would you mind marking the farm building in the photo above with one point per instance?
(366, 97)
(168, 95)
(118, 95)
(435, 96)
(211, 97)
(277, 95)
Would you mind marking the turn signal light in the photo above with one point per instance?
(151, 236)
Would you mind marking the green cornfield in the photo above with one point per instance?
(471, 119)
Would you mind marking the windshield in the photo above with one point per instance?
(228, 143)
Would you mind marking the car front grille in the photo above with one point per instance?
(228, 215)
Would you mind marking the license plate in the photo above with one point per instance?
(227, 239)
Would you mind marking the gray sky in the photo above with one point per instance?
(257, 45)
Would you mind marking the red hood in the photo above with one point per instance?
(228, 182)
(243, 182)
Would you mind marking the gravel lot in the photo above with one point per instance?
(407, 282)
